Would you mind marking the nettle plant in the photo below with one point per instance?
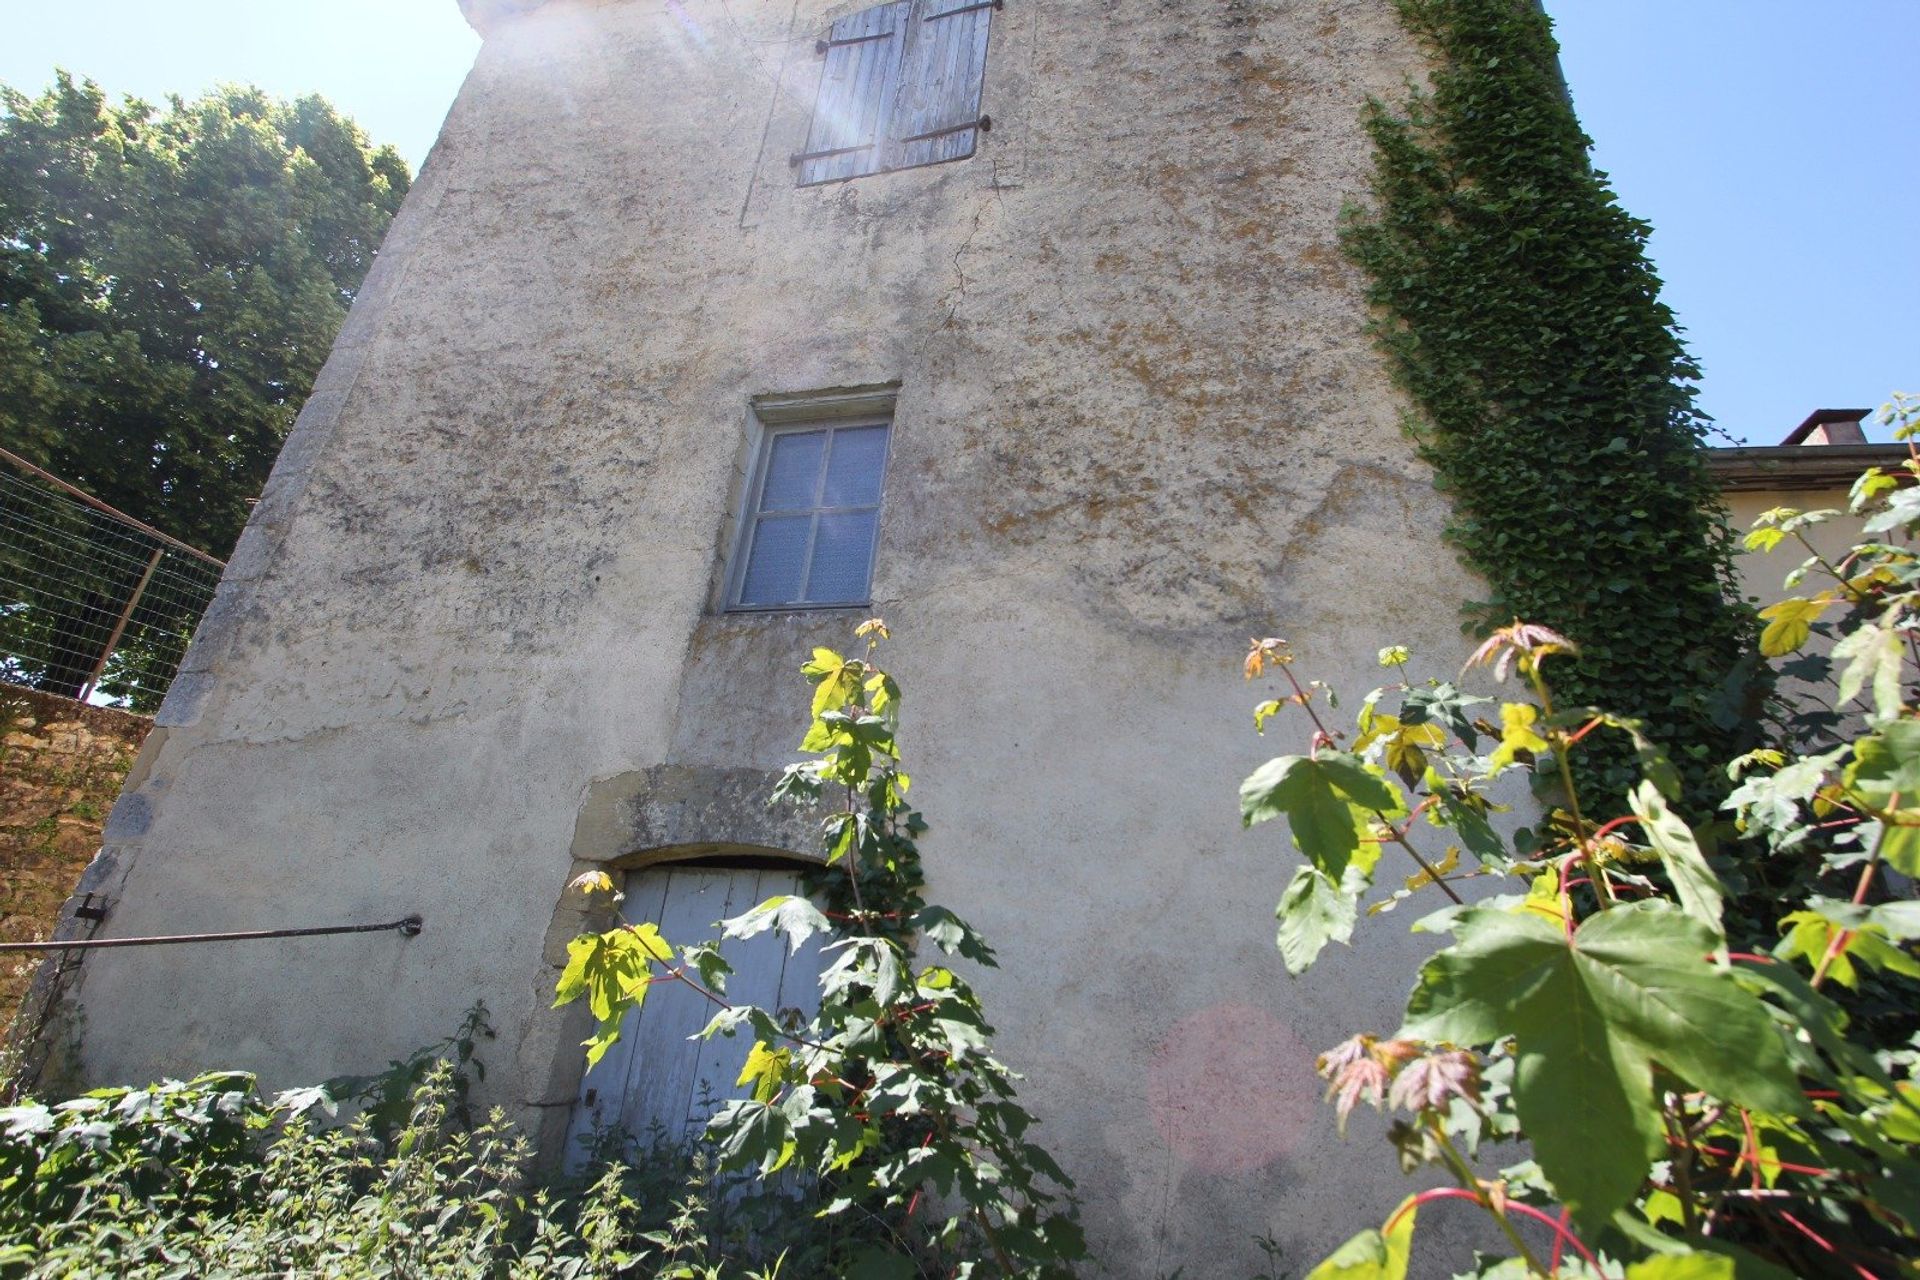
(889, 1100)
(1715, 1077)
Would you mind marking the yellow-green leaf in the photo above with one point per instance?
(765, 1070)
(1789, 623)
(1517, 734)
(1374, 1254)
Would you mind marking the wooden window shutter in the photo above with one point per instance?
(936, 113)
(858, 86)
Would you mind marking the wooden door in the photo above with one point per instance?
(655, 1082)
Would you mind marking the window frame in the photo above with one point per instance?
(773, 417)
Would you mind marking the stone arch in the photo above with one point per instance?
(629, 822)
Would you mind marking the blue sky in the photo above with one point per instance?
(1766, 140)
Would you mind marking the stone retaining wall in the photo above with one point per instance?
(61, 765)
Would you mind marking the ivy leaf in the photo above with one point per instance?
(1589, 1017)
(1313, 912)
(1374, 1254)
(1701, 893)
(1789, 623)
(1313, 794)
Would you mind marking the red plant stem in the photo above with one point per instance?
(1770, 1162)
(1586, 729)
(1826, 1244)
(1559, 1243)
(1753, 1145)
(1617, 822)
(1842, 938)
(1560, 1231)
(1749, 957)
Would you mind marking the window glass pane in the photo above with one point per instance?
(853, 471)
(793, 471)
(842, 557)
(774, 562)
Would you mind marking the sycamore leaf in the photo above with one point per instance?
(838, 680)
(1444, 705)
(1701, 893)
(1789, 623)
(793, 916)
(766, 1071)
(1374, 1254)
(1764, 540)
(1900, 847)
(752, 1133)
(1589, 1017)
(1517, 734)
(1684, 1266)
(1313, 912)
(1315, 795)
(1873, 659)
(1902, 509)
(1886, 766)
(613, 970)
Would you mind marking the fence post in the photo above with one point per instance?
(119, 627)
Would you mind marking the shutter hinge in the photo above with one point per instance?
(821, 46)
(965, 8)
(984, 124)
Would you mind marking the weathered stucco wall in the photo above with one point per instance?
(469, 633)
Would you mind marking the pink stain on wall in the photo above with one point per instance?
(1231, 1090)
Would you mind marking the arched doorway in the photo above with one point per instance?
(659, 1082)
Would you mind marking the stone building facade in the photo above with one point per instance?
(480, 631)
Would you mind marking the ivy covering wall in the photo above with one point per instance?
(1553, 394)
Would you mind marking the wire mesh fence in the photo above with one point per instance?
(94, 605)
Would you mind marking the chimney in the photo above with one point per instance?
(1830, 426)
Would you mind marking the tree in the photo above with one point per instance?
(170, 282)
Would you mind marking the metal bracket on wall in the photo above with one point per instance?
(965, 8)
(984, 124)
(408, 927)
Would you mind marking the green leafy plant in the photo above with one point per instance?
(207, 1177)
(889, 1098)
(1704, 1090)
(1517, 307)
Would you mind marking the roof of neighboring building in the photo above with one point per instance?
(1799, 466)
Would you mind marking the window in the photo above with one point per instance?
(812, 514)
(900, 88)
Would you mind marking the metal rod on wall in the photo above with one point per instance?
(410, 927)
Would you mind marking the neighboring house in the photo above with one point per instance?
(1812, 469)
(708, 330)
